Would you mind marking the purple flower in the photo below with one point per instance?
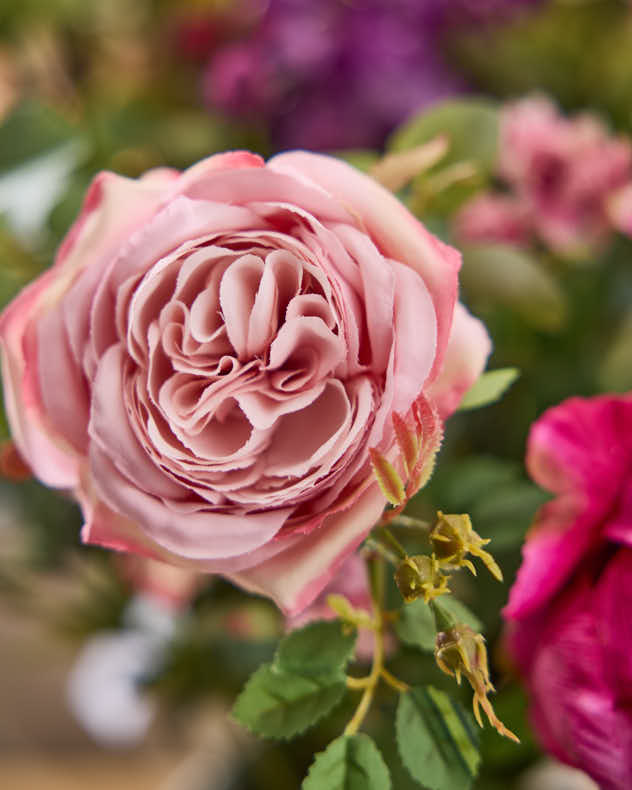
(338, 75)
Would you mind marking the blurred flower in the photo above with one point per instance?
(341, 75)
(564, 170)
(493, 218)
(569, 608)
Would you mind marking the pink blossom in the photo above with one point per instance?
(564, 169)
(214, 353)
(493, 218)
(569, 608)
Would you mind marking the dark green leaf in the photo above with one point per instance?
(489, 388)
(280, 704)
(321, 648)
(352, 762)
(437, 739)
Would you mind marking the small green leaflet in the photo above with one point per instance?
(303, 684)
(416, 625)
(320, 648)
(351, 762)
(437, 739)
(280, 704)
(489, 388)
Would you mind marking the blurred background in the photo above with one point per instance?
(128, 85)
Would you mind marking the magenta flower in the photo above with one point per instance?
(564, 169)
(569, 609)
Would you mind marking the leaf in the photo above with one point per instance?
(320, 648)
(488, 388)
(470, 124)
(389, 480)
(499, 274)
(280, 704)
(437, 740)
(416, 623)
(351, 762)
(615, 370)
(460, 612)
(416, 626)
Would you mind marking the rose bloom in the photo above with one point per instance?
(569, 610)
(564, 169)
(214, 352)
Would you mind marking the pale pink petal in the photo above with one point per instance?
(395, 232)
(465, 359)
(296, 576)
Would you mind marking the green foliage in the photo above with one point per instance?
(303, 683)
(29, 131)
(489, 388)
(500, 274)
(615, 370)
(320, 648)
(416, 623)
(471, 127)
(470, 124)
(349, 763)
(500, 501)
(280, 704)
(437, 739)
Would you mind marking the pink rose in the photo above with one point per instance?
(569, 610)
(213, 354)
(564, 169)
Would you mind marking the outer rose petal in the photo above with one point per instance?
(465, 359)
(294, 577)
(390, 224)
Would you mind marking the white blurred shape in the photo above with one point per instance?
(29, 192)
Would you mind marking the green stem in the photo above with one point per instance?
(388, 536)
(377, 575)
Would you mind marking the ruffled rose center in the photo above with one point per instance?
(236, 378)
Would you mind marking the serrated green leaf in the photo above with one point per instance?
(416, 624)
(320, 648)
(351, 762)
(437, 740)
(488, 388)
(280, 704)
